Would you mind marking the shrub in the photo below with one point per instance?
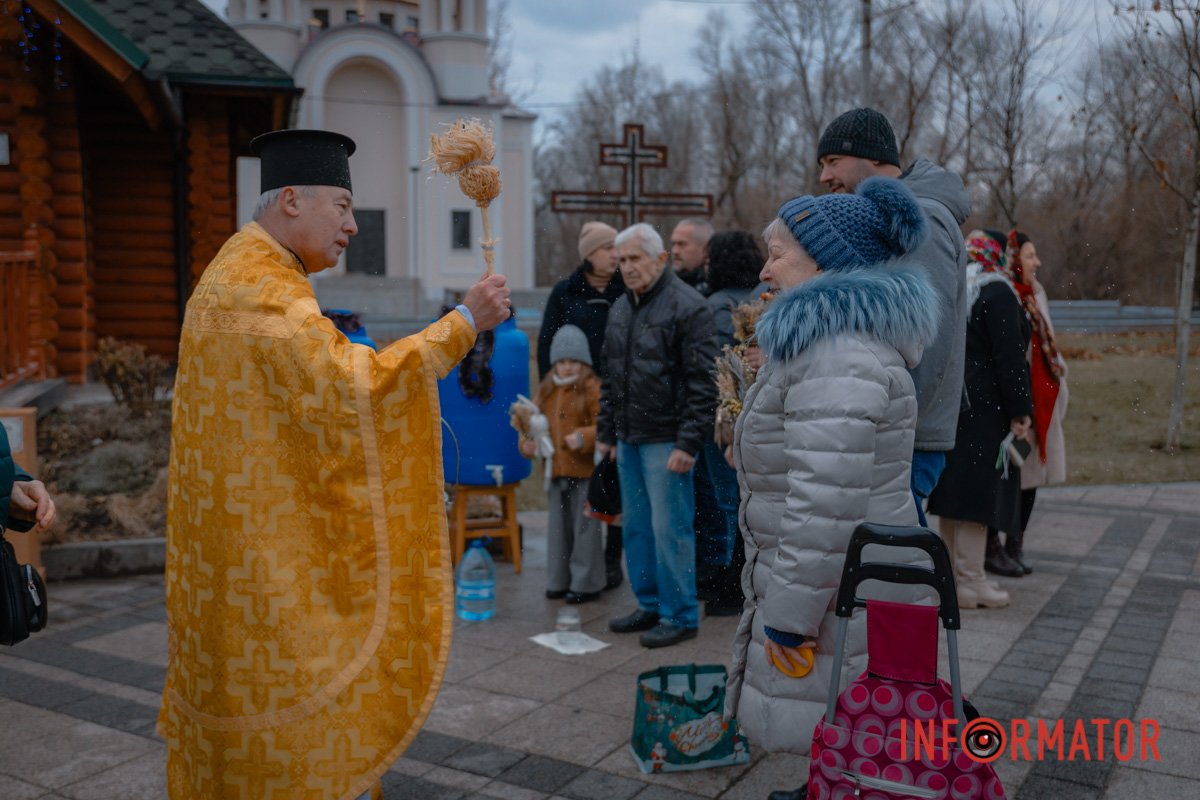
(113, 468)
(130, 373)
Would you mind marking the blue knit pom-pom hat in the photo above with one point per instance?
(841, 232)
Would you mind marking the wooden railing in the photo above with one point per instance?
(20, 311)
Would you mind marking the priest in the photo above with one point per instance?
(309, 591)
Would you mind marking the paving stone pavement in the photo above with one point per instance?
(1108, 626)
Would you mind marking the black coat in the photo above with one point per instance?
(996, 376)
(573, 301)
(658, 356)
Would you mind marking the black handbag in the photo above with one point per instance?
(22, 597)
(604, 489)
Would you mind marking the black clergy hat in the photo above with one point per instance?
(303, 158)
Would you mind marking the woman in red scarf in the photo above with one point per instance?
(1047, 371)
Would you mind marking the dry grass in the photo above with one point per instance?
(1120, 398)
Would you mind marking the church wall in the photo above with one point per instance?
(375, 120)
(515, 142)
(460, 63)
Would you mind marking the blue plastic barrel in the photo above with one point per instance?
(487, 452)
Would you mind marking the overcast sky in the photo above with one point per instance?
(559, 44)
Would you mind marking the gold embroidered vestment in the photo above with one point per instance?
(309, 597)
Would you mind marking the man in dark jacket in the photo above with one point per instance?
(854, 147)
(656, 411)
(24, 502)
(584, 297)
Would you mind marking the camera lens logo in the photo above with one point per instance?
(983, 740)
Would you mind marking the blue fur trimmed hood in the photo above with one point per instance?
(896, 305)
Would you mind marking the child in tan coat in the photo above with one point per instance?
(569, 396)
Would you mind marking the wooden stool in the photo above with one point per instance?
(505, 528)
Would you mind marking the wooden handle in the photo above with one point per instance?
(488, 243)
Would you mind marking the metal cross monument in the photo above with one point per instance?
(633, 202)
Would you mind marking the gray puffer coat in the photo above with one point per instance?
(824, 443)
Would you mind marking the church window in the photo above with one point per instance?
(413, 24)
(387, 20)
(460, 230)
(321, 15)
(367, 253)
(351, 15)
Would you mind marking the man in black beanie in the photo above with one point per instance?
(854, 147)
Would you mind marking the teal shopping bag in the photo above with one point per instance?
(679, 721)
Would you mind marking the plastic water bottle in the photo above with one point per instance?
(476, 580)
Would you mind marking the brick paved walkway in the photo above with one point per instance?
(1107, 626)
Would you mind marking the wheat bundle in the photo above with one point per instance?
(466, 151)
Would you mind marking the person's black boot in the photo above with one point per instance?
(996, 560)
(793, 794)
(1013, 549)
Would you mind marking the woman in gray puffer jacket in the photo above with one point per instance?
(824, 441)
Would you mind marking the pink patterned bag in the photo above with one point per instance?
(893, 732)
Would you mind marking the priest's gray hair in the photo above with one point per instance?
(645, 235)
(269, 197)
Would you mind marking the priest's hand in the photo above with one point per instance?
(489, 302)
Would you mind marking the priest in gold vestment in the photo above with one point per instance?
(309, 594)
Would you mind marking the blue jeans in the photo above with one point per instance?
(927, 466)
(723, 480)
(657, 507)
(712, 548)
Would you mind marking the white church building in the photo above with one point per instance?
(389, 73)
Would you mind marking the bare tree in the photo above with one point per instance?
(1165, 36)
(1012, 75)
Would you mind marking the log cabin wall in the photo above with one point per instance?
(28, 184)
(212, 181)
(74, 292)
(130, 177)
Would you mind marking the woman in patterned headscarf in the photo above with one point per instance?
(1047, 464)
(973, 493)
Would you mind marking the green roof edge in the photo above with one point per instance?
(91, 19)
(204, 79)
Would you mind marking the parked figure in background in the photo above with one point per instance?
(979, 487)
(1047, 463)
(307, 562)
(689, 251)
(656, 411)
(583, 299)
(824, 443)
(569, 397)
(855, 146)
(734, 261)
